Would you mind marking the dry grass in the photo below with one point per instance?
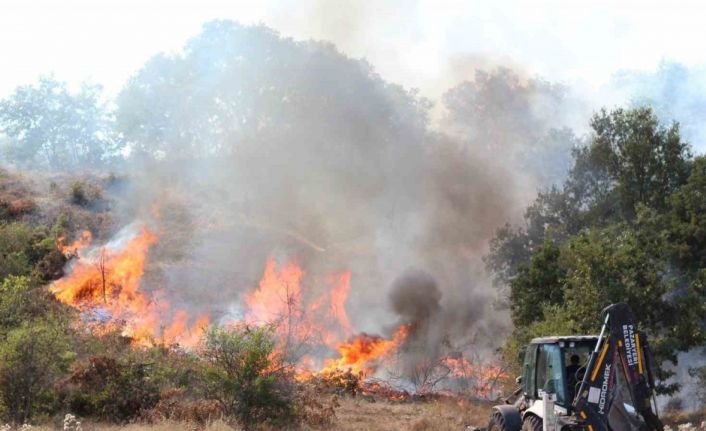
(352, 414)
(361, 415)
(162, 426)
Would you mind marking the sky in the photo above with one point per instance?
(430, 45)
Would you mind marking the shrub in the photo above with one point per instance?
(32, 358)
(14, 302)
(243, 374)
(24, 250)
(110, 389)
(83, 193)
(78, 193)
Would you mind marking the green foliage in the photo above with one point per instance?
(242, 374)
(540, 283)
(32, 357)
(49, 126)
(14, 302)
(556, 320)
(686, 220)
(625, 226)
(28, 251)
(104, 387)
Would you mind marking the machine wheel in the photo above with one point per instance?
(531, 423)
(497, 423)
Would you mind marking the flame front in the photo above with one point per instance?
(309, 313)
(362, 354)
(302, 318)
(307, 321)
(104, 283)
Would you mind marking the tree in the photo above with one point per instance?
(539, 284)
(686, 221)
(624, 226)
(645, 161)
(235, 86)
(32, 357)
(630, 160)
(14, 302)
(51, 127)
(519, 122)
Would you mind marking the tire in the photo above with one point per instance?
(531, 423)
(497, 423)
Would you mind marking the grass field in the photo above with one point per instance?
(352, 414)
(359, 414)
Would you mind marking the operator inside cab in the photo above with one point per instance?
(571, 371)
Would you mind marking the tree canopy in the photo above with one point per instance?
(624, 226)
(52, 127)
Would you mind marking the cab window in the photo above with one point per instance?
(528, 370)
(550, 372)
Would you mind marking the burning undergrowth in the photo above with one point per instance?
(315, 337)
(103, 282)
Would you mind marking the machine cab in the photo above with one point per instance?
(555, 365)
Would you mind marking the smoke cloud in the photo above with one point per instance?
(247, 145)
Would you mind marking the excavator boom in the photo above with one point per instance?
(617, 388)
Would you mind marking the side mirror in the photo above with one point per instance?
(518, 380)
(521, 354)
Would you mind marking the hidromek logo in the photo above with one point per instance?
(604, 389)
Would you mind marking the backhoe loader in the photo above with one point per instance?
(593, 383)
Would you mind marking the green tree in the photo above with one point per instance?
(644, 161)
(15, 302)
(536, 285)
(630, 160)
(32, 357)
(624, 226)
(686, 221)
(51, 127)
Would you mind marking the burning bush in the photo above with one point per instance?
(246, 376)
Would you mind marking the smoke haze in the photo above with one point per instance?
(247, 146)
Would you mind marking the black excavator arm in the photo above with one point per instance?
(617, 389)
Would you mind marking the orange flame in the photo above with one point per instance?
(106, 282)
(309, 319)
(302, 317)
(363, 352)
(482, 380)
(79, 244)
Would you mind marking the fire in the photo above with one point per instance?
(306, 320)
(82, 242)
(309, 314)
(104, 283)
(303, 318)
(361, 354)
(482, 380)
